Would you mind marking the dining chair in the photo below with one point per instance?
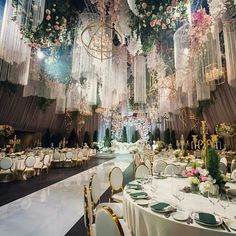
(148, 164)
(233, 175)
(68, 160)
(85, 157)
(88, 213)
(141, 171)
(224, 160)
(137, 160)
(170, 169)
(56, 160)
(29, 167)
(46, 162)
(6, 165)
(80, 158)
(96, 192)
(223, 168)
(116, 183)
(233, 165)
(107, 223)
(158, 166)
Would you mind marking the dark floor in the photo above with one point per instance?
(17, 189)
(79, 228)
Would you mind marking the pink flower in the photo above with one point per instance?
(189, 174)
(56, 27)
(203, 178)
(195, 172)
(184, 173)
(152, 23)
(169, 9)
(48, 17)
(167, 21)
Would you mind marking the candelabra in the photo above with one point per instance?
(14, 142)
(182, 142)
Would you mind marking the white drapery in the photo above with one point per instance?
(139, 79)
(229, 29)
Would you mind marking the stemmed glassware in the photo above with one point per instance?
(213, 200)
(224, 201)
(178, 194)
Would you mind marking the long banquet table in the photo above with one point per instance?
(143, 221)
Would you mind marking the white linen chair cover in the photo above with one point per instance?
(5, 164)
(148, 164)
(170, 169)
(224, 160)
(233, 166)
(137, 159)
(158, 166)
(223, 168)
(113, 226)
(142, 171)
(69, 156)
(116, 182)
(46, 162)
(30, 162)
(233, 175)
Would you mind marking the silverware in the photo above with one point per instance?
(226, 226)
(189, 220)
(222, 227)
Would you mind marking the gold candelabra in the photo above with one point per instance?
(14, 142)
(182, 142)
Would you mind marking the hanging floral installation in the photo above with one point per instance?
(56, 28)
(201, 25)
(155, 17)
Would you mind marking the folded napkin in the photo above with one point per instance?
(160, 206)
(134, 186)
(138, 194)
(207, 218)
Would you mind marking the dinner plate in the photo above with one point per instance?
(142, 202)
(180, 215)
(218, 220)
(232, 192)
(166, 209)
(143, 196)
(232, 225)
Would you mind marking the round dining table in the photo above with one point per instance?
(143, 221)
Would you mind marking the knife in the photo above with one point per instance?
(226, 226)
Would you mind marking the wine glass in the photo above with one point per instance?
(224, 201)
(213, 200)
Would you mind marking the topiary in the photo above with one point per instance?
(124, 135)
(167, 136)
(157, 134)
(107, 139)
(86, 138)
(173, 139)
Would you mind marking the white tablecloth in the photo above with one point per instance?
(144, 222)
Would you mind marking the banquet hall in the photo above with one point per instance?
(117, 117)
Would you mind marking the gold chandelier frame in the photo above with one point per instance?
(101, 25)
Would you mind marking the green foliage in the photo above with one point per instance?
(213, 165)
(157, 134)
(185, 150)
(136, 136)
(86, 138)
(173, 139)
(107, 138)
(124, 135)
(43, 103)
(150, 138)
(95, 136)
(9, 87)
(167, 136)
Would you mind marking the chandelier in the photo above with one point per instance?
(98, 38)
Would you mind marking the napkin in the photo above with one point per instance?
(160, 206)
(134, 186)
(207, 218)
(138, 194)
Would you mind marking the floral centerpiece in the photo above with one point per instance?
(226, 129)
(177, 153)
(6, 130)
(160, 147)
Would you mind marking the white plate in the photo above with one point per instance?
(218, 221)
(142, 202)
(232, 192)
(232, 225)
(180, 215)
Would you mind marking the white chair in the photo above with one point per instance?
(6, 171)
(38, 164)
(137, 160)
(108, 224)
(148, 164)
(170, 169)
(68, 160)
(46, 162)
(80, 158)
(88, 213)
(57, 159)
(85, 157)
(233, 166)
(141, 171)
(116, 183)
(224, 160)
(29, 170)
(233, 175)
(223, 168)
(158, 167)
(96, 192)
